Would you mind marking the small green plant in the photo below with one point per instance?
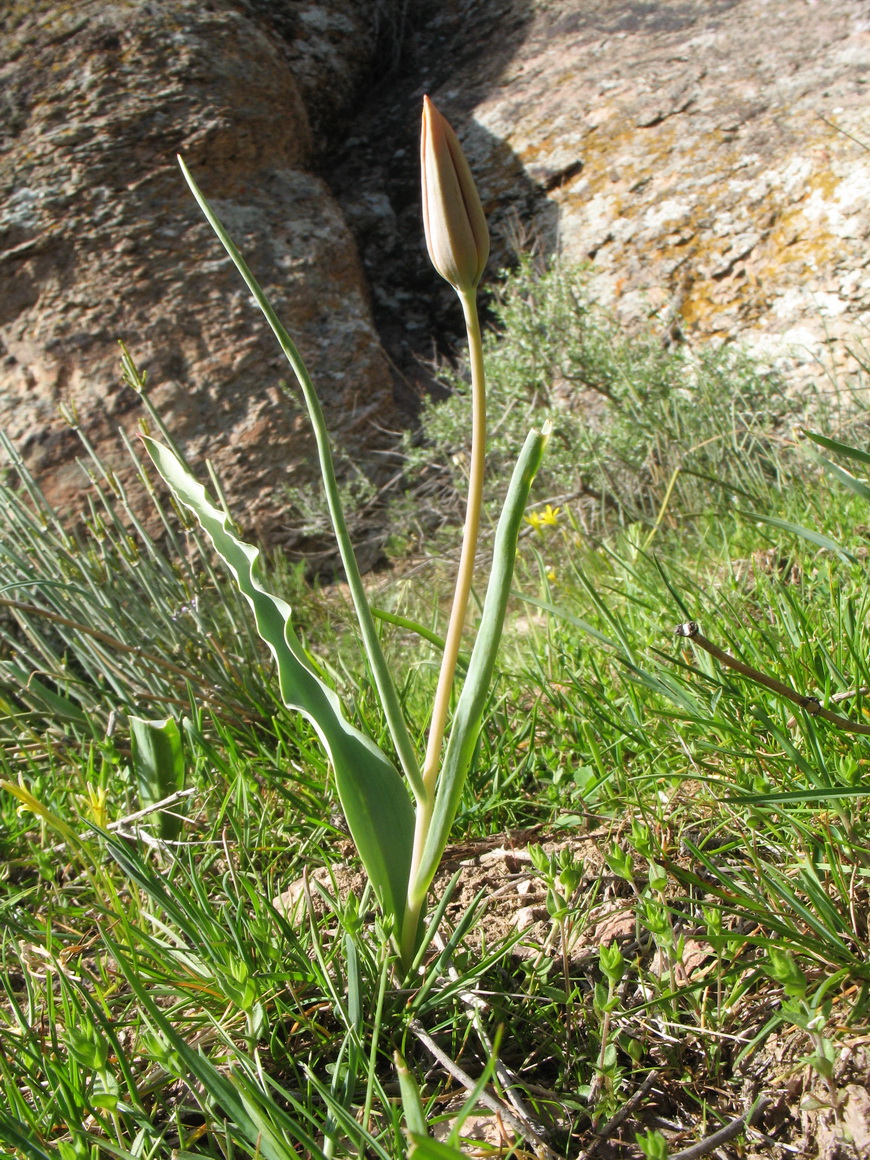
(810, 1011)
(562, 874)
(605, 1000)
(653, 1144)
(400, 843)
(158, 763)
(643, 433)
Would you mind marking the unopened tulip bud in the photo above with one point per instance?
(456, 233)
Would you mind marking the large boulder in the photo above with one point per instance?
(100, 239)
(708, 157)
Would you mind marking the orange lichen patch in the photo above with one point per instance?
(722, 229)
(790, 249)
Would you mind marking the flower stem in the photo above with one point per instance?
(465, 572)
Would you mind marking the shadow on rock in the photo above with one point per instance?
(376, 178)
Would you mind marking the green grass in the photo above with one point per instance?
(155, 1002)
(642, 431)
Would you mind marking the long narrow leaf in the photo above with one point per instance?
(806, 533)
(858, 486)
(412, 1104)
(372, 794)
(568, 617)
(801, 795)
(380, 670)
(420, 629)
(10, 1134)
(837, 447)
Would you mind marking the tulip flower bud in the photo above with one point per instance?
(456, 233)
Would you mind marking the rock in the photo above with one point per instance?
(718, 133)
(526, 916)
(291, 903)
(856, 1117)
(709, 157)
(100, 238)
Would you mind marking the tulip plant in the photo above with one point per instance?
(400, 822)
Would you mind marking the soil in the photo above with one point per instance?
(504, 902)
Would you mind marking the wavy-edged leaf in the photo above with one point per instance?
(380, 669)
(372, 793)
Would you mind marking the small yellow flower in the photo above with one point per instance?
(549, 517)
(97, 800)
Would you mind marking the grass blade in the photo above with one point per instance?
(837, 447)
(814, 537)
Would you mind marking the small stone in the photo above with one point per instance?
(527, 916)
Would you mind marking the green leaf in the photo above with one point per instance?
(11, 1133)
(837, 447)
(420, 629)
(380, 669)
(824, 793)
(412, 1104)
(806, 533)
(569, 618)
(425, 1148)
(468, 718)
(158, 763)
(858, 486)
(372, 794)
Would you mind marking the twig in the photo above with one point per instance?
(486, 1098)
(118, 827)
(840, 129)
(97, 634)
(836, 699)
(475, 1007)
(624, 1112)
(711, 1143)
(811, 704)
(178, 796)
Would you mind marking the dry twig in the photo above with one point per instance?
(811, 704)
